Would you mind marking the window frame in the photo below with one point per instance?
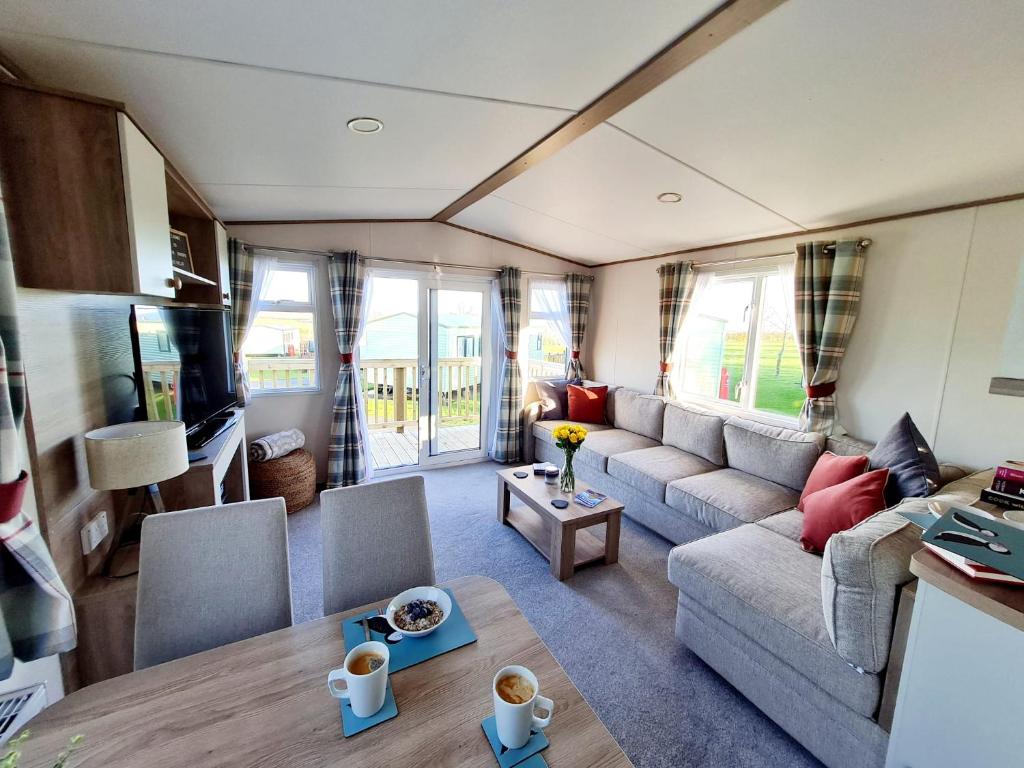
(286, 305)
(531, 316)
(735, 273)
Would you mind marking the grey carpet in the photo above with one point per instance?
(610, 627)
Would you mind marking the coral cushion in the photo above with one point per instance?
(586, 404)
(832, 470)
(841, 507)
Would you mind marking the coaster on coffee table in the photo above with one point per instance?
(559, 503)
(520, 475)
(351, 725)
(526, 756)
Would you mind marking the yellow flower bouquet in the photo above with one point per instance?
(568, 437)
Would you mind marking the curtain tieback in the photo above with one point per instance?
(238, 357)
(347, 357)
(664, 367)
(511, 354)
(11, 496)
(821, 390)
(575, 354)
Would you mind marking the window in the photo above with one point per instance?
(740, 348)
(544, 341)
(280, 349)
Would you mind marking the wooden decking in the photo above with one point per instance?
(392, 449)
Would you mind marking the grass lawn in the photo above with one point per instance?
(782, 393)
(382, 411)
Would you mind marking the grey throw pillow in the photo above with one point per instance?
(913, 469)
(554, 400)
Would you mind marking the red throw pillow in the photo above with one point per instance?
(841, 507)
(586, 404)
(832, 470)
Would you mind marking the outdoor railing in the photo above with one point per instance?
(160, 386)
(391, 391)
(280, 372)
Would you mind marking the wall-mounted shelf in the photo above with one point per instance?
(192, 278)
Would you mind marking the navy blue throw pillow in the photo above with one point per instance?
(913, 470)
(554, 400)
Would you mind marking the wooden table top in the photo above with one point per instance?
(264, 701)
(1002, 602)
(533, 490)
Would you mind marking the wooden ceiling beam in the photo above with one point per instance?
(721, 24)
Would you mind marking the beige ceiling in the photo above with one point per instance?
(822, 112)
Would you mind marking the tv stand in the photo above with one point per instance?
(210, 429)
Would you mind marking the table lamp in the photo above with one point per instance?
(134, 456)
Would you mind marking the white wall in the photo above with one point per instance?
(426, 242)
(938, 292)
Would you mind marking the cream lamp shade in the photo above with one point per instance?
(135, 454)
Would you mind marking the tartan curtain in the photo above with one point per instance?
(577, 289)
(508, 436)
(675, 295)
(37, 618)
(346, 454)
(827, 288)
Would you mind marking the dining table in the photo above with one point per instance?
(264, 702)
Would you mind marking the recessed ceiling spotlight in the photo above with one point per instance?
(669, 197)
(365, 125)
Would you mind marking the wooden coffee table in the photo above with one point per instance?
(264, 702)
(558, 533)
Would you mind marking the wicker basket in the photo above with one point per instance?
(292, 477)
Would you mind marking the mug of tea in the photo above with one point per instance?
(516, 696)
(365, 675)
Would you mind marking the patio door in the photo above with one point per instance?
(455, 375)
(425, 366)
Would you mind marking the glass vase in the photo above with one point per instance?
(567, 478)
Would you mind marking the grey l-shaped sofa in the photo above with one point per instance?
(805, 637)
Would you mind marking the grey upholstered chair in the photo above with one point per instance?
(211, 576)
(376, 542)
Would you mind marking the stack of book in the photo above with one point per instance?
(1007, 489)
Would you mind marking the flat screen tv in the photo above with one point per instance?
(183, 364)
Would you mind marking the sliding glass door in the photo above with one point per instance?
(425, 364)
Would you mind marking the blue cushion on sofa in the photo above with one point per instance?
(913, 469)
(554, 399)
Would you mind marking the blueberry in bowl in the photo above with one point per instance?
(418, 611)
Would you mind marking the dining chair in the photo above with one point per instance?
(211, 576)
(376, 540)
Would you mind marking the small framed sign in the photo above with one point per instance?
(181, 256)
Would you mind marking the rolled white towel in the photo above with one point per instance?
(276, 445)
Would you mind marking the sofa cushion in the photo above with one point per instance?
(643, 414)
(604, 443)
(767, 588)
(726, 498)
(914, 470)
(554, 399)
(789, 524)
(650, 470)
(542, 429)
(586, 404)
(840, 507)
(695, 431)
(832, 470)
(844, 445)
(864, 568)
(784, 456)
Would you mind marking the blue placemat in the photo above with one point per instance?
(527, 756)
(351, 725)
(409, 651)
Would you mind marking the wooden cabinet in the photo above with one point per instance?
(145, 194)
(91, 202)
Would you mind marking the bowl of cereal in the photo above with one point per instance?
(418, 611)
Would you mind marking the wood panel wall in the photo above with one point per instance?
(78, 366)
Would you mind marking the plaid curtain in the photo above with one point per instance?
(240, 265)
(346, 454)
(509, 424)
(36, 615)
(826, 295)
(577, 289)
(676, 292)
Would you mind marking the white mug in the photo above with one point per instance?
(514, 721)
(365, 693)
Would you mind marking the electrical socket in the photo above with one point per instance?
(94, 532)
